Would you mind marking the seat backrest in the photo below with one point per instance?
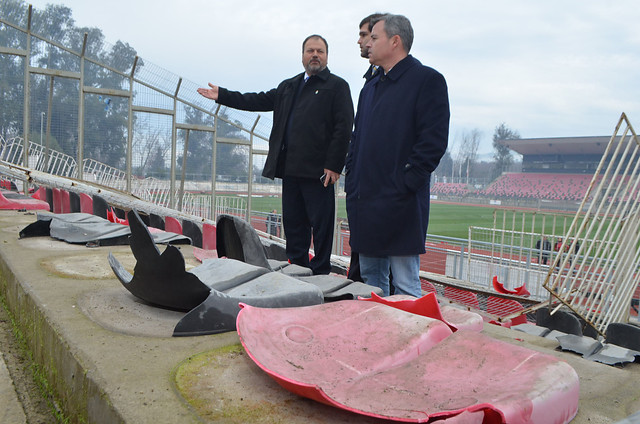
(462, 296)
(236, 239)
(503, 307)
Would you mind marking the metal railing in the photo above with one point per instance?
(606, 229)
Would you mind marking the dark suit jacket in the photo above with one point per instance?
(368, 76)
(401, 132)
(322, 120)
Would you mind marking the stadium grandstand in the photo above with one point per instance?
(92, 129)
(555, 170)
(139, 137)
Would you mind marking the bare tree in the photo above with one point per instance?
(445, 168)
(467, 153)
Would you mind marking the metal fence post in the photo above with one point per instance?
(249, 181)
(214, 149)
(27, 100)
(461, 263)
(80, 158)
(129, 170)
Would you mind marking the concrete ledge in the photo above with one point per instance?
(97, 375)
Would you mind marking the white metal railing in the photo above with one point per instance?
(40, 158)
(102, 174)
(606, 229)
(149, 189)
(159, 192)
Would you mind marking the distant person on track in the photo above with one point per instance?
(401, 132)
(273, 223)
(544, 246)
(312, 123)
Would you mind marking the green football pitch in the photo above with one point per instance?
(450, 220)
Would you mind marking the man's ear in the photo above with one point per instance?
(396, 41)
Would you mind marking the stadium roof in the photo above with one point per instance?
(594, 145)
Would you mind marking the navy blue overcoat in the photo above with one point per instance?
(401, 132)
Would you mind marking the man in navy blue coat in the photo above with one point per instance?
(364, 36)
(312, 123)
(401, 132)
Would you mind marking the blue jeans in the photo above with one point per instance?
(405, 269)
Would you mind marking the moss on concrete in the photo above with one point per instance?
(227, 407)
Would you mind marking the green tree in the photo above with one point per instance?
(11, 95)
(105, 128)
(105, 119)
(12, 69)
(502, 153)
(231, 160)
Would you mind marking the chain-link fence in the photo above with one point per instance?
(74, 99)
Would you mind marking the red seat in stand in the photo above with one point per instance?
(463, 297)
(208, 236)
(172, 225)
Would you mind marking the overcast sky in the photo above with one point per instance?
(546, 68)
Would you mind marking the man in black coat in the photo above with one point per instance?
(312, 123)
(400, 135)
(544, 246)
(364, 35)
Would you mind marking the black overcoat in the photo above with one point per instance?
(322, 121)
(401, 132)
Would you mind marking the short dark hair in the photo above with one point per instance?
(397, 25)
(315, 36)
(370, 18)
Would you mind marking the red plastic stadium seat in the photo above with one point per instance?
(22, 203)
(65, 201)
(503, 307)
(40, 194)
(57, 200)
(172, 225)
(86, 203)
(462, 296)
(428, 287)
(208, 237)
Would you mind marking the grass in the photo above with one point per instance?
(266, 204)
(444, 219)
(454, 220)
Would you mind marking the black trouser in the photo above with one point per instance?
(308, 207)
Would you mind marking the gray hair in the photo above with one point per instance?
(397, 25)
